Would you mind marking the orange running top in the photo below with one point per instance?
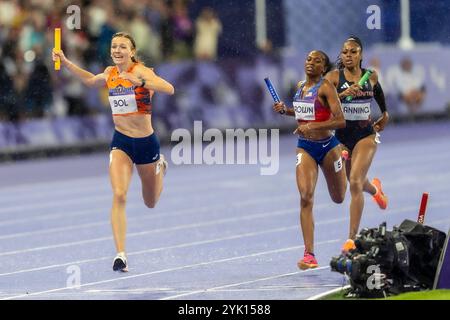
(126, 99)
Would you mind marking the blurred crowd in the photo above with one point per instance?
(164, 31)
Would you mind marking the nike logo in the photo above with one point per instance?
(154, 158)
(325, 145)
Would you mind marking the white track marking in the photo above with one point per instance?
(170, 270)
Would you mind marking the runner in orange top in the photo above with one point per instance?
(131, 87)
(118, 86)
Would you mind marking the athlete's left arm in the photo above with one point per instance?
(327, 92)
(381, 101)
(146, 77)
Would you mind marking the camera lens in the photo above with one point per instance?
(341, 264)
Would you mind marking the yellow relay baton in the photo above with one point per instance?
(58, 47)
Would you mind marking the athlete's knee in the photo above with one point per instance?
(120, 196)
(338, 198)
(356, 184)
(151, 203)
(306, 198)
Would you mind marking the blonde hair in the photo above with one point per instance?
(133, 43)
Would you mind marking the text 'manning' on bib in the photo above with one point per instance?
(122, 100)
(304, 111)
(356, 111)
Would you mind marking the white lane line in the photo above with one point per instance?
(57, 192)
(31, 207)
(176, 191)
(209, 223)
(141, 233)
(134, 291)
(177, 246)
(180, 291)
(55, 216)
(186, 188)
(184, 245)
(59, 186)
(274, 288)
(172, 213)
(324, 294)
(201, 264)
(243, 282)
(134, 205)
(30, 187)
(80, 183)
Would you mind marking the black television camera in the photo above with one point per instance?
(391, 262)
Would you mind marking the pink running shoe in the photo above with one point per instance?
(308, 261)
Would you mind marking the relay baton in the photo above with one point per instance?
(58, 47)
(361, 82)
(272, 90)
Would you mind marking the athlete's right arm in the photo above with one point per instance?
(86, 77)
(281, 107)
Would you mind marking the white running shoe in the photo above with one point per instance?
(120, 263)
(163, 161)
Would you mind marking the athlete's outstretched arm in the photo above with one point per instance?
(147, 77)
(88, 78)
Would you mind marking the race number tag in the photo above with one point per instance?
(304, 111)
(122, 100)
(299, 159)
(338, 165)
(356, 111)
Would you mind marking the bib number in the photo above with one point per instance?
(356, 111)
(123, 104)
(304, 111)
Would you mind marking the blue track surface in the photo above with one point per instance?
(218, 232)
